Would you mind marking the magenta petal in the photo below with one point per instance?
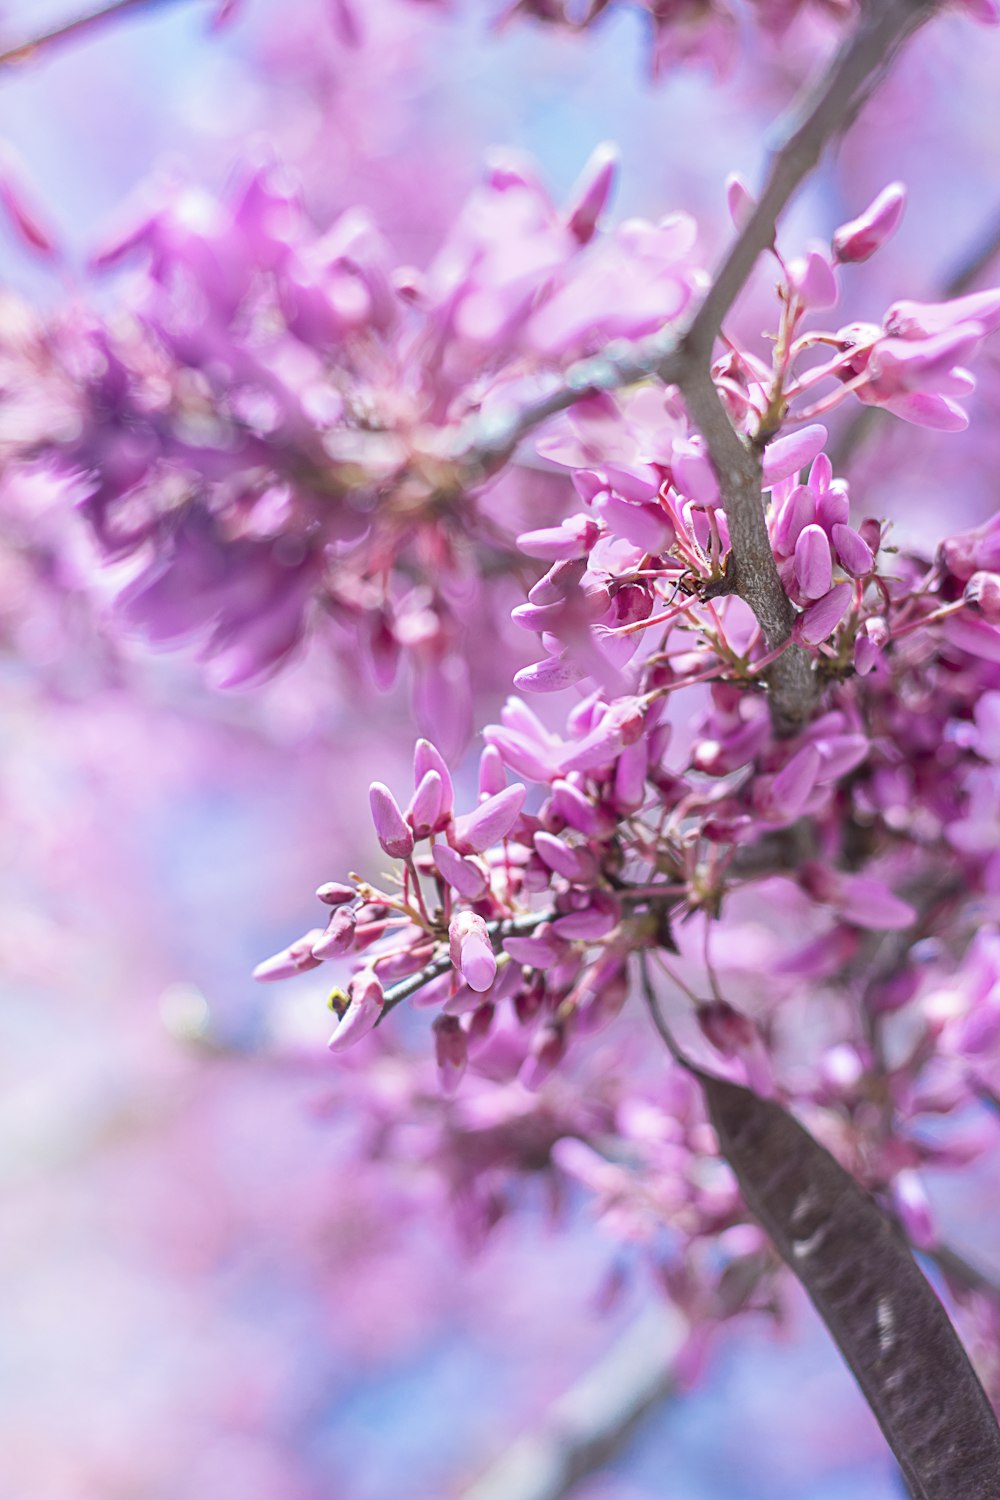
(391, 828)
(853, 551)
(823, 617)
(491, 821)
(861, 237)
(463, 875)
(366, 1000)
(787, 455)
(813, 565)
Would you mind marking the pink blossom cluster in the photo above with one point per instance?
(268, 433)
(667, 816)
(708, 32)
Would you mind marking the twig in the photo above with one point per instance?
(589, 1424)
(505, 927)
(962, 1271)
(69, 29)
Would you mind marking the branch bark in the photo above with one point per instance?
(587, 1426)
(25, 50)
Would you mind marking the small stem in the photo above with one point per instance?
(27, 49)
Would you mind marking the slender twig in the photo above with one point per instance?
(587, 1426)
(68, 30)
(961, 1271)
(504, 927)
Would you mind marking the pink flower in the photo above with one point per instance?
(391, 828)
(471, 950)
(491, 821)
(819, 621)
(813, 565)
(861, 237)
(366, 999)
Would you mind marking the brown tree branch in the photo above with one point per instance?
(67, 30)
(587, 1426)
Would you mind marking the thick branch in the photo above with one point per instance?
(67, 30)
(589, 1424)
(792, 682)
(820, 117)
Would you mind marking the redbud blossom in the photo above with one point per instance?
(983, 589)
(785, 456)
(792, 787)
(573, 538)
(366, 999)
(861, 237)
(297, 958)
(424, 811)
(463, 875)
(338, 938)
(591, 193)
(813, 565)
(491, 821)
(548, 1048)
(853, 552)
(729, 1031)
(870, 642)
(813, 281)
(574, 864)
(823, 617)
(471, 950)
(391, 828)
(451, 1050)
(427, 757)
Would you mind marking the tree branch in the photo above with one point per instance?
(594, 1419)
(26, 50)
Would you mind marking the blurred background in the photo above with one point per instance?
(201, 1294)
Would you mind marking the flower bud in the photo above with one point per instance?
(333, 893)
(424, 812)
(427, 757)
(463, 875)
(813, 566)
(853, 551)
(590, 195)
(451, 1051)
(787, 455)
(391, 828)
(739, 200)
(491, 821)
(823, 617)
(861, 237)
(471, 950)
(728, 1029)
(983, 589)
(297, 958)
(338, 938)
(366, 999)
